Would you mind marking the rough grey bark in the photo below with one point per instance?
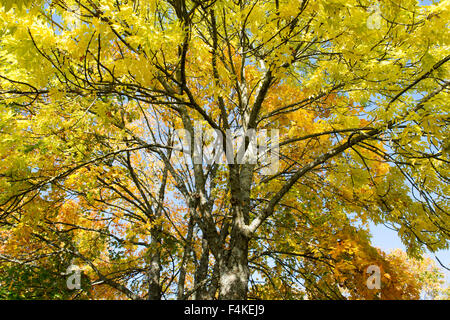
(234, 271)
(154, 274)
(187, 250)
(201, 273)
(214, 285)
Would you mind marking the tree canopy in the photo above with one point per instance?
(99, 97)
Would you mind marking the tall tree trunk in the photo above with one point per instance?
(234, 271)
(186, 251)
(201, 273)
(154, 269)
(214, 286)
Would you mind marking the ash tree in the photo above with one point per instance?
(102, 104)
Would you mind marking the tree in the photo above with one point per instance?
(98, 99)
